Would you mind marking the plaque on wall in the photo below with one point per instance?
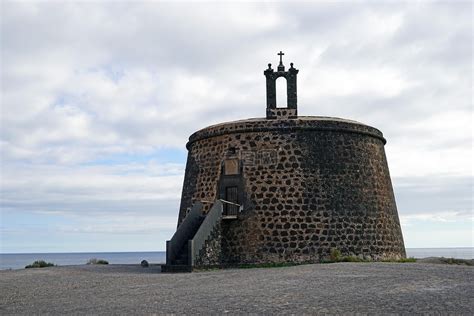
(231, 167)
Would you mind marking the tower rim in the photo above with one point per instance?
(313, 123)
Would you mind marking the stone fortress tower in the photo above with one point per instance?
(285, 188)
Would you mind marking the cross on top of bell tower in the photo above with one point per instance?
(281, 67)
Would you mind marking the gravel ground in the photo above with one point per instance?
(340, 288)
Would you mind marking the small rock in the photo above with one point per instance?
(144, 264)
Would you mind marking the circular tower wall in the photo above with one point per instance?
(306, 185)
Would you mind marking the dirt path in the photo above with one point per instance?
(320, 288)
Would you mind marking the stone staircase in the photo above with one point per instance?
(190, 237)
(180, 263)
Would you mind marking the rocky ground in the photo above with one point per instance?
(338, 288)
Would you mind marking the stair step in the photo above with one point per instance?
(176, 268)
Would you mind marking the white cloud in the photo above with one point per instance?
(120, 224)
(442, 217)
(84, 83)
(55, 184)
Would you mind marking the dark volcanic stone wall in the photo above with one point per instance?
(311, 184)
(211, 253)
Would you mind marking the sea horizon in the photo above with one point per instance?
(20, 260)
(73, 252)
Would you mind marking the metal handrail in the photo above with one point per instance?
(225, 202)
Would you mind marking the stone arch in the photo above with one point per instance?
(281, 92)
(291, 98)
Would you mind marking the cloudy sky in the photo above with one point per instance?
(98, 100)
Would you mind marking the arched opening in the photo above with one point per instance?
(281, 93)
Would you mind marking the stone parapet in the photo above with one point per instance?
(287, 124)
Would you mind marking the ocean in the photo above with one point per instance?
(20, 260)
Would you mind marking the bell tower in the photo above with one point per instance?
(274, 112)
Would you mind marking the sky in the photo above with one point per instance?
(98, 99)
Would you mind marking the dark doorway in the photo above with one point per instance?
(230, 187)
(231, 195)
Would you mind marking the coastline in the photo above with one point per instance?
(155, 265)
(313, 288)
(20, 260)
